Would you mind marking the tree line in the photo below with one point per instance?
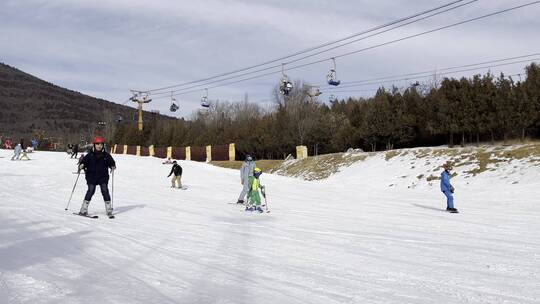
(452, 111)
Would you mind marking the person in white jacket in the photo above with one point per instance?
(17, 152)
(245, 172)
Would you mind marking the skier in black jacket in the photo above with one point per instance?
(96, 165)
(75, 151)
(177, 171)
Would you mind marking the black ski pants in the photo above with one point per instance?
(92, 190)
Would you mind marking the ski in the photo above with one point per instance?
(88, 216)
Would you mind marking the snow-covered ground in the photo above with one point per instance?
(351, 238)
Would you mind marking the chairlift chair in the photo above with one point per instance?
(332, 75)
(204, 100)
(174, 106)
(285, 86)
(314, 92)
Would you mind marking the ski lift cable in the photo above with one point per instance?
(377, 88)
(305, 57)
(441, 69)
(436, 74)
(364, 49)
(375, 34)
(419, 34)
(367, 82)
(319, 46)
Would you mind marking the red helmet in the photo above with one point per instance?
(98, 140)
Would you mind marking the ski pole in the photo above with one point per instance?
(72, 191)
(265, 201)
(112, 190)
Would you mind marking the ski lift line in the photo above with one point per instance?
(437, 74)
(224, 79)
(377, 33)
(377, 88)
(220, 85)
(375, 46)
(424, 76)
(441, 69)
(316, 47)
(418, 75)
(408, 78)
(419, 34)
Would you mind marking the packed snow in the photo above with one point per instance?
(364, 235)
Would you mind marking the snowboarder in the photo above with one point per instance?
(17, 152)
(177, 177)
(245, 172)
(254, 199)
(168, 161)
(96, 164)
(75, 151)
(447, 188)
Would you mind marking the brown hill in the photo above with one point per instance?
(31, 107)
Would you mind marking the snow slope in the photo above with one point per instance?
(351, 238)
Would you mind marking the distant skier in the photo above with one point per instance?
(177, 177)
(35, 143)
(75, 151)
(24, 156)
(245, 172)
(8, 144)
(17, 152)
(254, 199)
(447, 188)
(96, 165)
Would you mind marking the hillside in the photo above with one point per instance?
(418, 166)
(29, 104)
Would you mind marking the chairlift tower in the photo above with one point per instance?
(140, 98)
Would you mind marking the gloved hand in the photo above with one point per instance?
(81, 166)
(452, 189)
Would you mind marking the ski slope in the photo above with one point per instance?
(351, 238)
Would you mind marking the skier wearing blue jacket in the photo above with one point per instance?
(447, 188)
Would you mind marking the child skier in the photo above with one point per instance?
(447, 188)
(246, 171)
(96, 165)
(17, 152)
(254, 199)
(177, 177)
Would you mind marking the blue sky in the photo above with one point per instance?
(105, 48)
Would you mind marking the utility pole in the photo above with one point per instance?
(140, 98)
